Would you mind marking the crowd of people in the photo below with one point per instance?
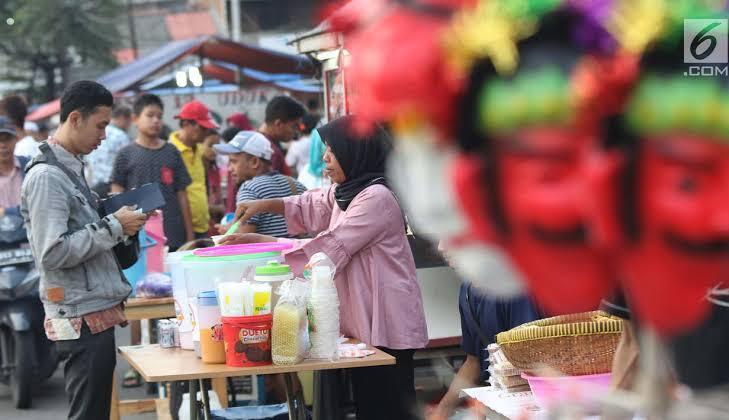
(359, 224)
(196, 163)
(93, 147)
(205, 172)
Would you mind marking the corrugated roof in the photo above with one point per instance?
(128, 75)
(253, 58)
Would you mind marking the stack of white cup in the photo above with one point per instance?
(323, 315)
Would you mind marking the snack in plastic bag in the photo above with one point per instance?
(290, 331)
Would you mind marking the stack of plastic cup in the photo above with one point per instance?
(323, 315)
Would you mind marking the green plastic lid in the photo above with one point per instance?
(228, 258)
(273, 268)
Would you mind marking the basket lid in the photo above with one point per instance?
(587, 323)
(273, 268)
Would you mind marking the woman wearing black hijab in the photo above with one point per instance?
(359, 225)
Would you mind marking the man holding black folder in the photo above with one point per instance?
(82, 286)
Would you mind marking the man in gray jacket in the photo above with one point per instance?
(82, 286)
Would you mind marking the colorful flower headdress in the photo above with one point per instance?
(492, 30)
(672, 102)
(412, 65)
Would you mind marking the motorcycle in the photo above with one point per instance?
(27, 357)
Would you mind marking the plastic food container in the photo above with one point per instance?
(204, 273)
(549, 391)
(173, 263)
(244, 299)
(273, 274)
(228, 250)
(212, 349)
(247, 340)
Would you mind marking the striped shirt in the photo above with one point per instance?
(270, 185)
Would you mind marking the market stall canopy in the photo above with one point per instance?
(228, 73)
(254, 58)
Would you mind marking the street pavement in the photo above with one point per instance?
(50, 403)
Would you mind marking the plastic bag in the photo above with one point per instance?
(154, 285)
(184, 412)
(256, 412)
(290, 330)
(317, 260)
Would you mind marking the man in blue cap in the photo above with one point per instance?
(11, 169)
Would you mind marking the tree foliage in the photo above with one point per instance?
(49, 36)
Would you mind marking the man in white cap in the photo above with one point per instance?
(250, 163)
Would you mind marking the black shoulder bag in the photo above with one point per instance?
(126, 252)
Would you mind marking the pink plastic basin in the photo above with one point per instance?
(227, 250)
(552, 390)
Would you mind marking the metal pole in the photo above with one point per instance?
(132, 31)
(205, 400)
(193, 399)
(316, 406)
(291, 397)
(235, 19)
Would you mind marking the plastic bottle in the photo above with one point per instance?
(212, 349)
(273, 274)
(323, 312)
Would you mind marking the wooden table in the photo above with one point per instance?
(156, 364)
(137, 309)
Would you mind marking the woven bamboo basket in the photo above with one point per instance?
(574, 344)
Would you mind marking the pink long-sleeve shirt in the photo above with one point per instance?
(379, 294)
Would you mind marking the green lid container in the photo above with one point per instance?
(273, 268)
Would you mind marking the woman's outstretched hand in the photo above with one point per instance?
(248, 209)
